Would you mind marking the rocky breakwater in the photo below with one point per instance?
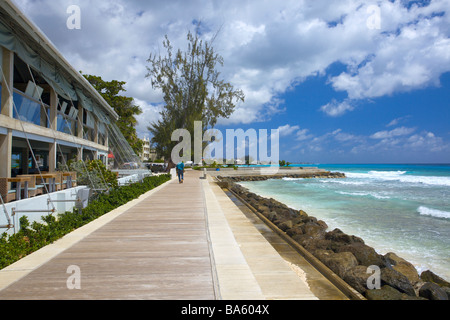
(346, 255)
(300, 174)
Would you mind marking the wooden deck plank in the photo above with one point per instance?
(158, 249)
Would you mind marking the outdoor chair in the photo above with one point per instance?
(74, 179)
(59, 182)
(8, 195)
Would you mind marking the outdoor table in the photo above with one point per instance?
(18, 181)
(51, 177)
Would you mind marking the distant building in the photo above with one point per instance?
(145, 155)
(148, 153)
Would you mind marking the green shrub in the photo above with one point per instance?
(33, 237)
(92, 173)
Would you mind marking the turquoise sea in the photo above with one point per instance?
(394, 207)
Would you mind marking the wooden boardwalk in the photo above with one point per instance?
(158, 249)
(178, 242)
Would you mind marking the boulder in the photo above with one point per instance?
(300, 238)
(397, 280)
(310, 219)
(262, 208)
(286, 225)
(385, 293)
(366, 256)
(298, 220)
(314, 230)
(447, 291)
(272, 203)
(404, 267)
(389, 293)
(432, 291)
(323, 254)
(322, 224)
(314, 244)
(339, 263)
(272, 216)
(357, 278)
(309, 231)
(284, 213)
(295, 231)
(428, 276)
(338, 236)
(302, 214)
(254, 203)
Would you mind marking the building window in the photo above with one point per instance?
(67, 114)
(31, 100)
(102, 139)
(29, 110)
(65, 124)
(88, 126)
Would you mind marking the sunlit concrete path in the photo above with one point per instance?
(178, 242)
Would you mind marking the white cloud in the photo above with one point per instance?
(402, 131)
(303, 135)
(344, 137)
(268, 46)
(336, 109)
(412, 53)
(396, 121)
(400, 144)
(427, 141)
(150, 114)
(287, 130)
(294, 132)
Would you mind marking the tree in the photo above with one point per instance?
(283, 163)
(192, 90)
(123, 106)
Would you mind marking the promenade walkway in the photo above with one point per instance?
(178, 242)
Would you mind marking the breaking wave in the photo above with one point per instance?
(433, 212)
(363, 194)
(401, 176)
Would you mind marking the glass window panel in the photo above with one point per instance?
(64, 124)
(29, 110)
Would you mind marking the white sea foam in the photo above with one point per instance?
(401, 176)
(345, 182)
(433, 212)
(363, 194)
(385, 175)
(292, 179)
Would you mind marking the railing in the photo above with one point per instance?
(15, 215)
(34, 208)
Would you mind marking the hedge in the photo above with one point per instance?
(35, 236)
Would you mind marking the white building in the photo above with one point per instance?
(49, 112)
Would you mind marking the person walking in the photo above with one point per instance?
(180, 172)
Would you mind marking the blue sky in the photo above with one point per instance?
(391, 129)
(344, 81)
